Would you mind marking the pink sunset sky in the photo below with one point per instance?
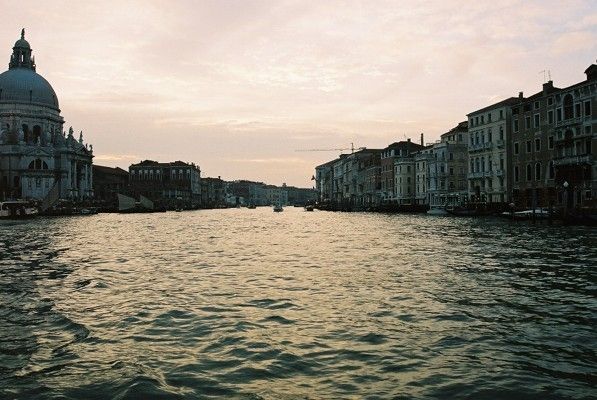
(238, 86)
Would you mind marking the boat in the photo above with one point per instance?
(437, 210)
(17, 209)
(309, 207)
(278, 208)
(251, 206)
(127, 204)
(538, 213)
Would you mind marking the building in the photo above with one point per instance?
(422, 160)
(169, 184)
(212, 192)
(388, 157)
(324, 182)
(356, 180)
(38, 160)
(108, 182)
(575, 142)
(447, 169)
(489, 131)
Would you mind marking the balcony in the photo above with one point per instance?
(569, 122)
(475, 175)
(499, 172)
(574, 160)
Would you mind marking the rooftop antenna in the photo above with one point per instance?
(549, 74)
(544, 75)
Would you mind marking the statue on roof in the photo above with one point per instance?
(23, 33)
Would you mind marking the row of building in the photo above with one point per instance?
(530, 151)
(179, 184)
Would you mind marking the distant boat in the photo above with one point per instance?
(251, 206)
(17, 210)
(437, 210)
(278, 208)
(309, 207)
(127, 204)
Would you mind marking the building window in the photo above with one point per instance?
(516, 148)
(501, 132)
(501, 114)
(488, 117)
(549, 101)
(537, 144)
(587, 108)
(550, 142)
(516, 173)
(550, 117)
(538, 171)
(529, 149)
(489, 135)
(536, 105)
(568, 107)
(515, 123)
(577, 110)
(537, 120)
(529, 172)
(527, 122)
(551, 170)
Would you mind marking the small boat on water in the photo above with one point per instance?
(309, 207)
(251, 206)
(538, 213)
(437, 210)
(278, 208)
(17, 210)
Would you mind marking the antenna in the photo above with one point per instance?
(549, 74)
(544, 77)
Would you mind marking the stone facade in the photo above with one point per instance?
(489, 132)
(38, 160)
(167, 183)
(448, 168)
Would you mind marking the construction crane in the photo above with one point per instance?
(352, 149)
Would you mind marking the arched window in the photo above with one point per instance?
(568, 107)
(551, 170)
(36, 133)
(538, 171)
(529, 172)
(26, 134)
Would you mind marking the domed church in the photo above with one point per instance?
(38, 159)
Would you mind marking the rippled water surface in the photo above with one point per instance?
(251, 304)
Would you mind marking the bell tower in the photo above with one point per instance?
(21, 54)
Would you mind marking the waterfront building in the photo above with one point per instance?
(212, 192)
(531, 170)
(169, 184)
(108, 182)
(448, 168)
(301, 196)
(575, 142)
(324, 181)
(389, 155)
(356, 179)
(422, 159)
(38, 160)
(489, 130)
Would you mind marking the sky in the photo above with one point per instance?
(238, 87)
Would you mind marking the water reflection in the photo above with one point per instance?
(252, 304)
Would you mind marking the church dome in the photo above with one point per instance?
(25, 86)
(21, 84)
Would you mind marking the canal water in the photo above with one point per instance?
(251, 304)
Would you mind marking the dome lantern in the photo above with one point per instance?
(21, 54)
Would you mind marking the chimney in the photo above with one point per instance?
(520, 96)
(591, 72)
(408, 140)
(547, 87)
(422, 140)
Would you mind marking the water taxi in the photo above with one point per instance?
(17, 209)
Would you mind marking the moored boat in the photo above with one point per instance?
(17, 209)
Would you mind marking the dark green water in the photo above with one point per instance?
(251, 304)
